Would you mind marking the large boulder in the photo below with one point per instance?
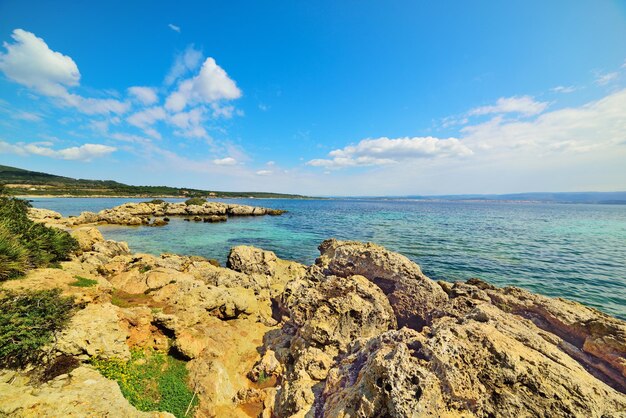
(325, 314)
(251, 260)
(87, 237)
(413, 296)
(95, 330)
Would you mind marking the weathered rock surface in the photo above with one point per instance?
(95, 330)
(81, 393)
(413, 296)
(87, 237)
(362, 333)
(134, 214)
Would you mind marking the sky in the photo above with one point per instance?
(344, 98)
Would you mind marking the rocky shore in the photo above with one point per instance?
(360, 333)
(153, 214)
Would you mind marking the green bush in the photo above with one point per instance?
(156, 201)
(25, 244)
(28, 321)
(155, 382)
(83, 282)
(195, 201)
(13, 255)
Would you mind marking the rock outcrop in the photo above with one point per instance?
(361, 333)
(154, 214)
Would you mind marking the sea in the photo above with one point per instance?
(575, 251)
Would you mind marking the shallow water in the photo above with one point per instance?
(574, 251)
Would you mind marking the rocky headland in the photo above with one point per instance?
(153, 214)
(360, 333)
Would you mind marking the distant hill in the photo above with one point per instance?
(557, 197)
(17, 181)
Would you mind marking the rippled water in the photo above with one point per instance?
(573, 251)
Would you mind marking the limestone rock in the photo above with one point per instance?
(87, 237)
(43, 215)
(95, 331)
(82, 393)
(250, 260)
(111, 249)
(413, 296)
(384, 376)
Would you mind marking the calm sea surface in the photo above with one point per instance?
(574, 251)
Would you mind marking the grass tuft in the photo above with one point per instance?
(83, 282)
(150, 382)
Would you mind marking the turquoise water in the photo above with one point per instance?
(573, 251)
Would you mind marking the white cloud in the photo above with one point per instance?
(264, 172)
(27, 116)
(174, 27)
(524, 105)
(92, 106)
(29, 61)
(146, 118)
(187, 120)
(184, 63)
(384, 151)
(225, 161)
(145, 95)
(599, 124)
(604, 79)
(212, 84)
(563, 89)
(85, 152)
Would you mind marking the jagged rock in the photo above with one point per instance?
(111, 249)
(142, 333)
(95, 331)
(43, 215)
(383, 376)
(87, 237)
(216, 218)
(85, 218)
(250, 260)
(325, 315)
(588, 330)
(159, 222)
(266, 367)
(82, 393)
(199, 299)
(413, 297)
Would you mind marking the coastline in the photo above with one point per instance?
(281, 338)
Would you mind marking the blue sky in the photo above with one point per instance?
(324, 98)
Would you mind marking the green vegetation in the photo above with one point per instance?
(83, 282)
(195, 201)
(28, 321)
(156, 201)
(24, 182)
(25, 244)
(145, 268)
(151, 382)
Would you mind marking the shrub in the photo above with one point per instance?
(150, 382)
(83, 282)
(25, 244)
(13, 255)
(28, 321)
(195, 201)
(156, 201)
